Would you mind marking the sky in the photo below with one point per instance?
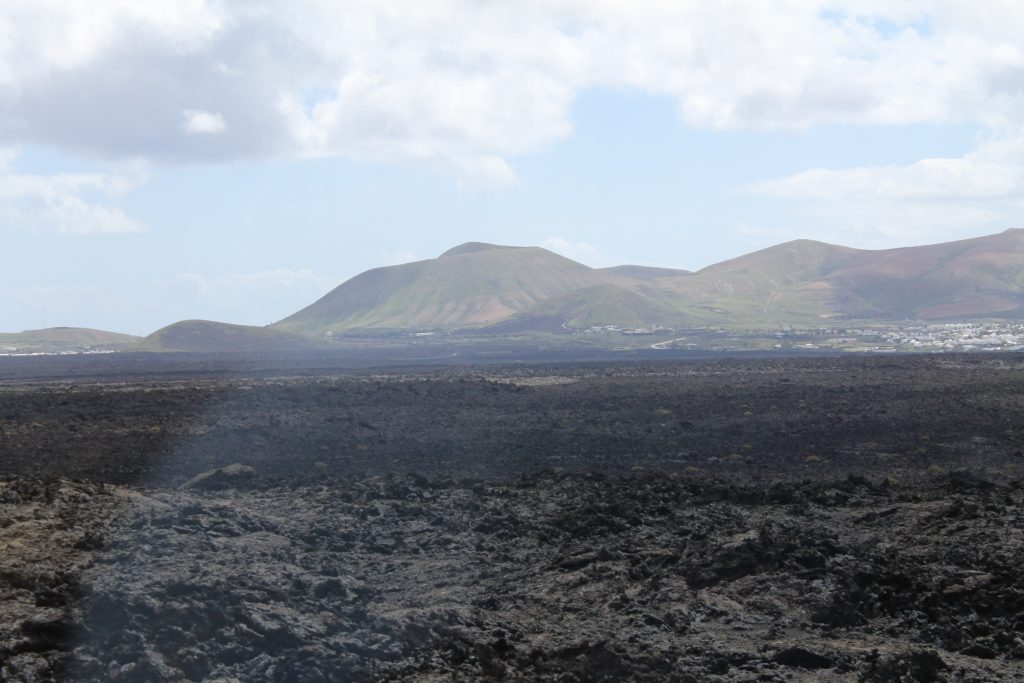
(235, 160)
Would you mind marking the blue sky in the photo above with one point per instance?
(167, 161)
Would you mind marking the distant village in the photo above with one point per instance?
(877, 338)
(997, 336)
(866, 338)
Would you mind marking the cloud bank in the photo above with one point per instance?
(469, 86)
(924, 201)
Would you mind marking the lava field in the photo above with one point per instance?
(792, 519)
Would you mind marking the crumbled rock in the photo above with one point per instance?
(228, 475)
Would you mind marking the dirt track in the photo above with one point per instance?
(819, 519)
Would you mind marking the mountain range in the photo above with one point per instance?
(492, 290)
(482, 286)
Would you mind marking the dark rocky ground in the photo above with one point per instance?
(822, 519)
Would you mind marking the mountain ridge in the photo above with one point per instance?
(461, 288)
(495, 290)
(806, 282)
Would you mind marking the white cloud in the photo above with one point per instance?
(881, 225)
(995, 169)
(68, 203)
(199, 122)
(926, 201)
(468, 86)
(578, 251)
(67, 35)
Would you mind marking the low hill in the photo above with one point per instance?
(64, 340)
(779, 285)
(471, 285)
(644, 272)
(981, 277)
(807, 283)
(206, 336)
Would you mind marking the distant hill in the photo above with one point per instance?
(471, 285)
(779, 285)
(974, 278)
(644, 272)
(212, 337)
(804, 282)
(485, 289)
(64, 340)
(813, 282)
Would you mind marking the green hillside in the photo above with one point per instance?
(471, 285)
(627, 305)
(213, 337)
(811, 283)
(64, 340)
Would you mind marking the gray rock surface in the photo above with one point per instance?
(549, 577)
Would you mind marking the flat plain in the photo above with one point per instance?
(851, 518)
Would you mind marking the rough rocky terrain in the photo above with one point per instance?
(792, 520)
